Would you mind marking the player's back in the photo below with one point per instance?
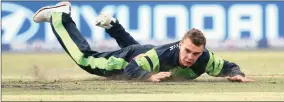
(127, 53)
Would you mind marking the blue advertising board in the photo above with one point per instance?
(235, 23)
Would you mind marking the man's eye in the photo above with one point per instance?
(196, 53)
(187, 51)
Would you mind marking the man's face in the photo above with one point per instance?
(189, 52)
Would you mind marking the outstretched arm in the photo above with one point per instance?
(218, 67)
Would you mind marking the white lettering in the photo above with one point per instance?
(160, 20)
(198, 12)
(253, 24)
(272, 22)
(143, 31)
(13, 23)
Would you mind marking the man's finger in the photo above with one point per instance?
(160, 76)
(245, 80)
(163, 76)
(231, 78)
(166, 73)
(157, 80)
(242, 79)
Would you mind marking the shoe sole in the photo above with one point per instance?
(50, 7)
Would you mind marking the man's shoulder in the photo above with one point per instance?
(168, 54)
(168, 47)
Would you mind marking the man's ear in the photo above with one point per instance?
(180, 43)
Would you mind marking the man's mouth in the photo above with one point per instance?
(188, 63)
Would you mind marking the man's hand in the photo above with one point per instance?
(239, 78)
(159, 76)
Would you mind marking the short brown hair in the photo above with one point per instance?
(196, 36)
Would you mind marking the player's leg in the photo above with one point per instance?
(65, 30)
(115, 30)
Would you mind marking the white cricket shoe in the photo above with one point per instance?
(104, 20)
(44, 13)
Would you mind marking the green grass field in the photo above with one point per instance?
(55, 77)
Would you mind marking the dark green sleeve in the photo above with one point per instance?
(219, 67)
(148, 61)
(144, 65)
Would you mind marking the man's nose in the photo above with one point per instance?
(190, 56)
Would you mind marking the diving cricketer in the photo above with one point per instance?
(187, 58)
